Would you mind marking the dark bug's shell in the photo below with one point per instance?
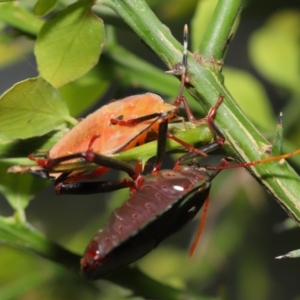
(161, 206)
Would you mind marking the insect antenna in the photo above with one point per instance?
(161, 143)
(180, 68)
(184, 60)
(252, 163)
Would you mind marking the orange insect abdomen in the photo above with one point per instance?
(113, 138)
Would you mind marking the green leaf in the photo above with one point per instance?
(69, 44)
(251, 97)
(43, 7)
(30, 108)
(17, 16)
(274, 49)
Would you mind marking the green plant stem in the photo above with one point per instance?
(218, 30)
(191, 135)
(243, 141)
(24, 236)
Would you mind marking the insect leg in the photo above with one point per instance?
(204, 149)
(181, 69)
(70, 185)
(200, 228)
(161, 143)
(94, 187)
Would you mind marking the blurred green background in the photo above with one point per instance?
(244, 229)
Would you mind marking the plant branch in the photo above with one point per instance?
(243, 141)
(24, 236)
(215, 39)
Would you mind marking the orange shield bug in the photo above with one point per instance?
(117, 127)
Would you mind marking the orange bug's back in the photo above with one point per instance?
(114, 138)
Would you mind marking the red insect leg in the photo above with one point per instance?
(200, 228)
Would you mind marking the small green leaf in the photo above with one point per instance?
(17, 16)
(43, 7)
(69, 44)
(251, 97)
(274, 49)
(30, 108)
